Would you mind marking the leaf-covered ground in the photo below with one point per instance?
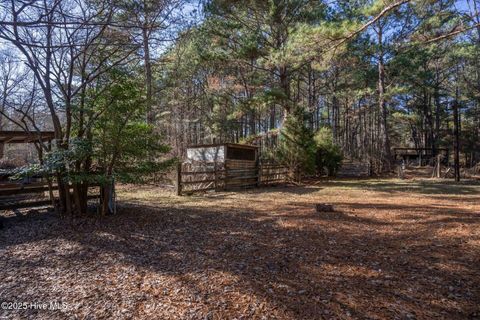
(392, 250)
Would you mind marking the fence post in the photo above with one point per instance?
(439, 166)
(215, 176)
(259, 173)
(401, 170)
(179, 179)
(225, 177)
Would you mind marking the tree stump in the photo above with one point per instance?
(324, 207)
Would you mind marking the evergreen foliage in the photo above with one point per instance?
(297, 147)
(125, 93)
(328, 156)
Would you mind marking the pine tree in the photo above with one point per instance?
(297, 147)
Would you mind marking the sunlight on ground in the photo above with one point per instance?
(391, 249)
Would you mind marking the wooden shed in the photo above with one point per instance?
(226, 166)
(218, 167)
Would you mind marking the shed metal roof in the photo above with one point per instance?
(239, 145)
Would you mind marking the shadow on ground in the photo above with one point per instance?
(305, 265)
(427, 187)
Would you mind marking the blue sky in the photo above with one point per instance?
(462, 5)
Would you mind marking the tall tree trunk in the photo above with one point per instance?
(336, 124)
(285, 86)
(311, 90)
(437, 117)
(2, 145)
(456, 134)
(148, 76)
(252, 123)
(381, 100)
(272, 121)
(477, 15)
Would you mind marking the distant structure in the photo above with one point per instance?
(14, 193)
(221, 153)
(25, 137)
(420, 156)
(225, 166)
(7, 137)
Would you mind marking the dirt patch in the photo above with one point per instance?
(391, 250)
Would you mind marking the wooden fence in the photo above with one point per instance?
(18, 195)
(230, 175)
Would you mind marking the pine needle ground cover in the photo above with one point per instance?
(391, 250)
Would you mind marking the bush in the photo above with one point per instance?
(297, 146)
(328, 156)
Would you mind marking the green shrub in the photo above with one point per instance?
(296, 146)
(328, 158)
